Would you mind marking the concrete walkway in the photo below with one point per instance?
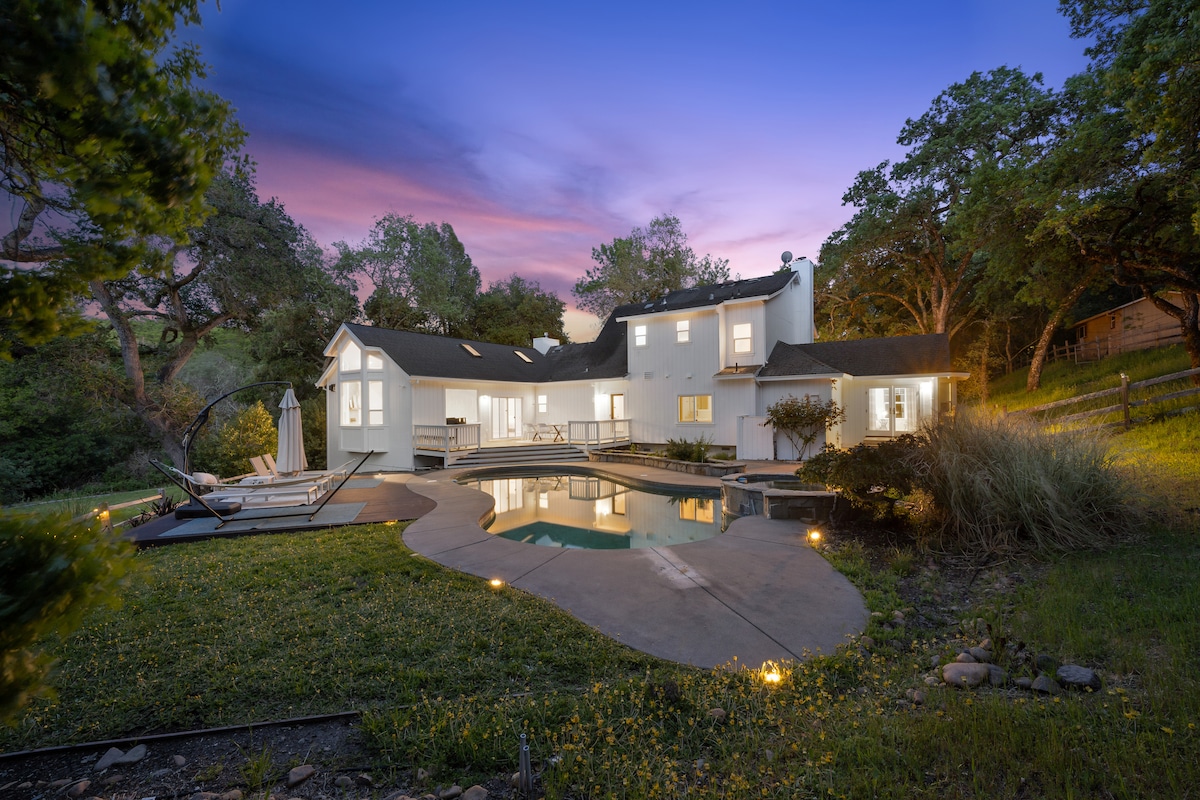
(755, 593)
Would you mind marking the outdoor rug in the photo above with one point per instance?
(269, 519)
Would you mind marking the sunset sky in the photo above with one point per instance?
(541, 130)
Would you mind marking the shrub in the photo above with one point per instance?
(874, 477)
(52, 572)
(801, 421)
(227, 452)
(687, 450)
(1002, 486)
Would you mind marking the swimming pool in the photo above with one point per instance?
(595, 513)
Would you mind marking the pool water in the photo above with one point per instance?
(586, 512)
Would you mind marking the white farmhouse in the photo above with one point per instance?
(705, 361)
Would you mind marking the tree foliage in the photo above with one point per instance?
(52, 572)
(802, 421)
(515, 311)
(105, 140)
(646, 264)
(917, 244)
(248, 258)
(226, 451)
(423, 279)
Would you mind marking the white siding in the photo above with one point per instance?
(664, 370)
(789, 316)
(752, 313)
(774, 391)
(391, 440)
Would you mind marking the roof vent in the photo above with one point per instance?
(648, 376)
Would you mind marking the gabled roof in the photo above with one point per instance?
(425, 355)
(895, 355)
(713, 295)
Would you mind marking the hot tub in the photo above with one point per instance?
(776, 496)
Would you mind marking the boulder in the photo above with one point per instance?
(965, 675)
(1071, 676)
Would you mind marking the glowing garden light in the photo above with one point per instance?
(814, 535)
(496, 583)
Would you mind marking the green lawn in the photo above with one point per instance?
(448, 671)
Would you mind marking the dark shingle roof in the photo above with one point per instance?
(430, 356)
(894, 355)
(715, 294)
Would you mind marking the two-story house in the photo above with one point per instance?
(700, 362)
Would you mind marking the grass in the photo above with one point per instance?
(449, 671)
(76, 504)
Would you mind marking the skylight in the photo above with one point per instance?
(471, 350)
(523, 357)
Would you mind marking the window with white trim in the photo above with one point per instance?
(542, 403)
(374, 402)
(639, 335)
(351, 402)
(351, 358)
(683, 331)
(374, 361)
(695, 408)
(743, 341)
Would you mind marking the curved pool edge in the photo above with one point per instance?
(757, 592)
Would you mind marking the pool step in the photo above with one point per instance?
(522, 454)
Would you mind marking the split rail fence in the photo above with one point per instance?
(1130, 397)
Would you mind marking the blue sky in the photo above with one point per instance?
(541, 130)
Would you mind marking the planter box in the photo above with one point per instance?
(710, 468)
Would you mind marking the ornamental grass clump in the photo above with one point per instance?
(1001, 487)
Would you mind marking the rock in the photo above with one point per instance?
(867, 642)
(514, 780)
(160, 773)
(232, 794)
(983, 656)
(452, 793)
(931, 680)
(965, 658)
(476, 792)
(205, 796)
(25, 785)
(1044, 684)
(935, 661)
(717, 714)
(298, 775)
(78, 789)
(135, 755)
(108, 759)
(113, 780)
(918, 697)
(986, 644)
(1082, 679)
(965, 675)
(997, 676)
(1024, 683)
(343, 782)
(423, 774)
(363, 779)
(898, 615)
(178, 761)
(53, 785)
(768, 756)
(398, 795)
(1045, 663)
(876, 615)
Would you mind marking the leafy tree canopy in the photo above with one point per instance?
(515, 311)
(424, 280)
(106, 139)
(646, 264)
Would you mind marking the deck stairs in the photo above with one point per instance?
(520, 454)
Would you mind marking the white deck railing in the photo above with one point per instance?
(591, 433)
(445, 439)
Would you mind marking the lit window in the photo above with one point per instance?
(695, 408)
(683, 330)
(351, 402)
(742, 342)
(351, 357)
(523, 357)
(697, 509)
(543, 403)
(374, 402)
(471, 350)
(374, 361)
(639, 335)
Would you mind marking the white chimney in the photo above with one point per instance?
(543, 343)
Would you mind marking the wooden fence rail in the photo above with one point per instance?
(1122, 392)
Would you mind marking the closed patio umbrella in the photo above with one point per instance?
(291, 458)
